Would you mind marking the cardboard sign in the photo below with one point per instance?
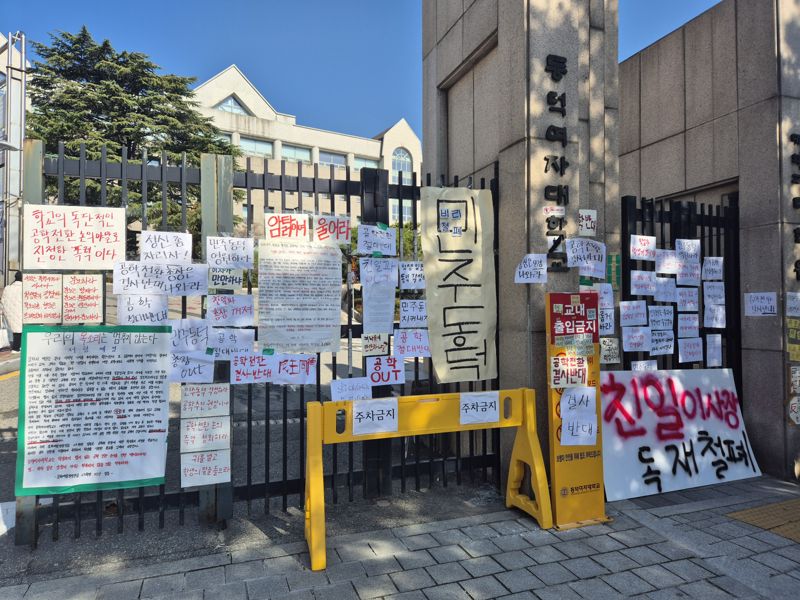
(636, 339)
(644, 365)
(760, 304)
(205, 433)
(205, 400)
(413, 314)
(353, 388)
(374, 344)
(83, 299)
(412, 276)
(688, 325)
(667, 262)
(166, 247)
(578, 409)
(378, 415)
(713, 350)
(80, 406)
(42, 300)
(532, 269)
(643, 247)
(229, 252)
(643, 283)
(385, 370)
(286, 226)
(632, 312)
(376, 240)
(690, 350)
(205, 468)
(609, 351)
(332, 230)
(142, 309)
(225, 279)
(72, 238)
(713, 268)
(225, 342)
(662, 342)
(479, 407)
(587, 222)
(688, 299)
(665, 290)
(672, 430)
(661, 317)
(411, 343)
(233, 310)
(132, 277)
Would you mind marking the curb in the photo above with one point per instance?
(9, 366)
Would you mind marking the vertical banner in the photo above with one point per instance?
(573, 377)
(458, 260)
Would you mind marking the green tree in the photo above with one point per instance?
(85, 91)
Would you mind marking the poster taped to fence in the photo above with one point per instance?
(142, 309)
(671, 430)
(42, 298)
(458, 258)
(205, 468)
(299, 296)
(90, 421)
(73, 238)
(171, 247)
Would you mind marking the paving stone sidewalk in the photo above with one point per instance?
(678, 545)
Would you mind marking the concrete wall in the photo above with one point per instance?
(484, 91)
(703, 112)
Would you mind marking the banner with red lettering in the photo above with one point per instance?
(671, 430)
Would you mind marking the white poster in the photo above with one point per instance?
(280, 369)
(606, 321)
(205, 433)
(332, 230)
(375, 344)
(385, 370)
(588, 255)
(479, 407)
(232, 310)
(578, 410)
(461, 295)
(412, 276)
(411, 343)
(378, 304)
(205, 468)
(189, 335)
(299, 296)
(42, 298)
(689, 274)
(142, 309)
(632, 312)
(205, 400)
(191, 367)
(132, 277)
(690, 350)
(83, 299)
(793, 304)
(712, 268)
(661, 317)
(666, 290)
(662, 342)
(568, 371)
(609, 351)
(689, 434)
(413, 314)
(225, 279)
(72, 238)
(714, 292)
(688, 251)
(644, 365)
(714, 316)
(377, 240)
(229, 252)
(80, 404)
(714, 350)
(760, 304)
(636, 339)
(688, 325)
(286, 227)
(643, 283)
(667, 262)
(225, 342)
(353, 388)
(378, 271)
(587, 222)
(378, 415)
(532, 269)
(688, 300)
(166, 247)
(643, 247)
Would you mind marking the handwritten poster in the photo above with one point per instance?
(90, 419)
(411, 343)
(375, 344)
(690, 433)
(636, 339)
(714, 350)
(378, 415)
(42, 298)
(167, 247)
(299, 296)
(479, 407)
(378, 307)
(83, 297)
(229, 252)
(532, 269)
(569, 371)
(205, 400)
(189, 335)
(714, 316)
(587, 222)
(142, 309)
(689, 273)
(609, 351)
(662, 342)
(688, 300)
(205, 433)
(661, 317)
(413, 314)
(606, 318)
(644, 365)
(793, 304)
(643, 283)
(688, 325)
(233, 310)
(632, 312)
(332, 230)
(280, 369)
(667, 262)
(588, 255)
(131, 277)
(713, 268)
(72, 238)
(578, 410)
(225, 279)
(666, 290)
(205, 468)
(226, 342)
(688, 251)
(378, 271)
(353, 388)
(462, 299)
(412, 276)
(191, 367)
(643, 247)
(286, 226)
(760, 304)
(690, 350)
(385, 370)
(377, 240)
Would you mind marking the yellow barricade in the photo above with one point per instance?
(422, 415)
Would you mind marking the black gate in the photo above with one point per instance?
(717, 227)
(272, 416)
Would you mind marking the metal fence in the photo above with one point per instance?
(268, 447)
(717, 227)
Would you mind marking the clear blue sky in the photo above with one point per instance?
(347, 65)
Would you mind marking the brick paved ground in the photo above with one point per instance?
(679, 545)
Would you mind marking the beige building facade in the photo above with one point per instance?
(266, 136)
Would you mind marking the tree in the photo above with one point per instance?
(85, 91)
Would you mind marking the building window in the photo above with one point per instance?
(401, 161)
(296, 153)
(255, 147)
(394, 211)
(223, 137)
(329, 158)
(232, 105)
(360, 162)
(244, 212)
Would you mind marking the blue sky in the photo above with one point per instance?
(347, 65)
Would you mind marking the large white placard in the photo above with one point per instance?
(131, 277)
(89, 419)
(299, 296)
(374, 416)
(578, 410)
(72, 238)
(167, 247)
(670, 430)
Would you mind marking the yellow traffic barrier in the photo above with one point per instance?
(424, 415)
